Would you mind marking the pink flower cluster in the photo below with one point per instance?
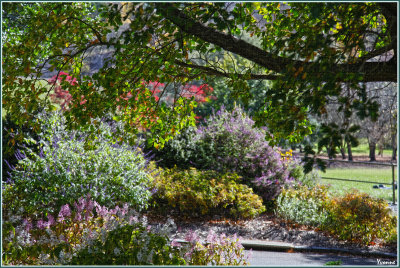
(83, 210)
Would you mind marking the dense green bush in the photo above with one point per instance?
(129, 245)
(303, 205)
(181, 151)
(66, 169)
(361, 218)
(195, 192)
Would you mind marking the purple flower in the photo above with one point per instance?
(11, 167)
(154, 190)
(60, 218)
(80, 205)
(41, 224)
(78, 217)
(211, 237)
(27, 225)
(174, 243)
(51, 220)
(65, 211)
(41, 154)
(191, 237)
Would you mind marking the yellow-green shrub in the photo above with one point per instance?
(206, 192)
(359, 217)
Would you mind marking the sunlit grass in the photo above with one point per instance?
(381, 175)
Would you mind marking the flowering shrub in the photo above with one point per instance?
(215, 250)
(130, 245)
(88, 233)
(66, 169)
(195, 192)
(303, 205)
(361, 218)
(57, 239)
(229, 142)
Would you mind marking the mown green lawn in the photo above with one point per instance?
(381, 174)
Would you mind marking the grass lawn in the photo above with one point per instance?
(363, 149)
(383, 175)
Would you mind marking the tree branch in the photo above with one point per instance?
(212, 71)
(373, 71)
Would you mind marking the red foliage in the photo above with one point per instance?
(61, 96)
(64, 98)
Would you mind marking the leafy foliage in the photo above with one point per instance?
(180, 151)
(87, 233)
(196, 193)
(303, 205)
(355, 217)
(57, 239)
(217, 250)
(309, 49)
(129, 245)
(361, 218)
(14, 140)
(65, 169)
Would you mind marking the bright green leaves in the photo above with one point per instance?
(42, 31)
(170, 121)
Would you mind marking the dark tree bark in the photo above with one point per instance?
(372, 148)
(343, 153)
(349, 152)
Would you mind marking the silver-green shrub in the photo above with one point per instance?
(66, 169)
(303, 205)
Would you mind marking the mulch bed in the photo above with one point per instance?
(265, 227)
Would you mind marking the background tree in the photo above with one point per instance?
(376, 131)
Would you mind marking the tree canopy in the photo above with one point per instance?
(309, 50)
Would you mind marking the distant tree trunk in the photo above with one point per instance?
(394, 147)
(343, 152)
(380, 148)
(328, 150)
(372, 147)
(349, 152)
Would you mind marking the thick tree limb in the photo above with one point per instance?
(373, 71)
